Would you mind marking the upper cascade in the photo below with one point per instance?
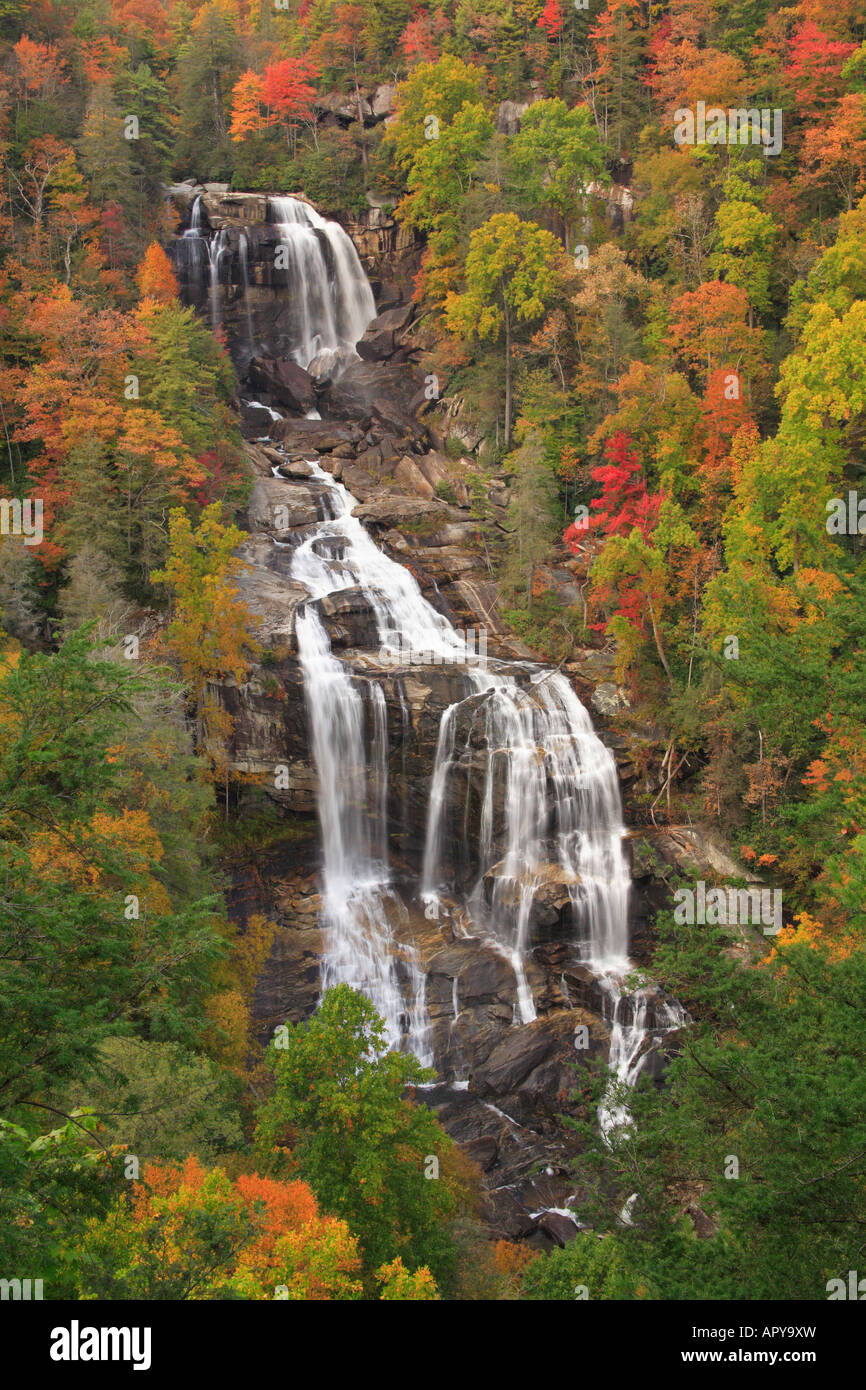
(288, 284)
(327, 284)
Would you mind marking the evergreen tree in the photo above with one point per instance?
(361, 1145)
(533, 513)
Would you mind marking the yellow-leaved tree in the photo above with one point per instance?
(212, 630)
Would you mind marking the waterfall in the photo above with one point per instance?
(358, 902)
(551, 808)
(194, 244)
(360, 949)
(561, 820)
(436, 808)
(244, 255)
(521, 784)
(329, 298)
(216, 248)
(324, 297)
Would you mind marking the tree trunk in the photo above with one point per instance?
(658, 642)
(360, 106)
(219, 119)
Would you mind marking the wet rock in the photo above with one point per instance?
(396, 511)
(319, 436)
(485, 979)
(551, 885)
(382, 335)
(484, 1151)
(348, 617)
(256, 418)
(508, 1215)
(288, 988)
(328, 364)
(260, 459)
(277, 508)
(584, 989)
(286, 382)
(377, 345)
(511, 1062)
(271, 596)
(333, 464)
(390, 394)
(295, 468)
(560, 1228)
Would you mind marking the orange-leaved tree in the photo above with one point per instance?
(282, 96)
(185, 1232)
(155, 277)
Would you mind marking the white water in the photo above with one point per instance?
(358, 902)
(258, 405)
(329, 298)
(244, 255)
(557, 780)
(217, 247)
(328, 301)
(632, 1018)
(552, 779)
(556, 788)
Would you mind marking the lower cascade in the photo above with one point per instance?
(550, 803)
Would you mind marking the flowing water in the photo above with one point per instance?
(549, 812)
(553, 780)
(347, 716)
(329, 295)
(327, 301)
(244, 255)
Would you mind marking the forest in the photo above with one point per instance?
(607, 266)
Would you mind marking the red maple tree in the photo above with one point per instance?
(625, 502)
(551, 20)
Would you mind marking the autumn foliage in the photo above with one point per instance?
(281, 96)
(155, 278)
(189, 1232)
